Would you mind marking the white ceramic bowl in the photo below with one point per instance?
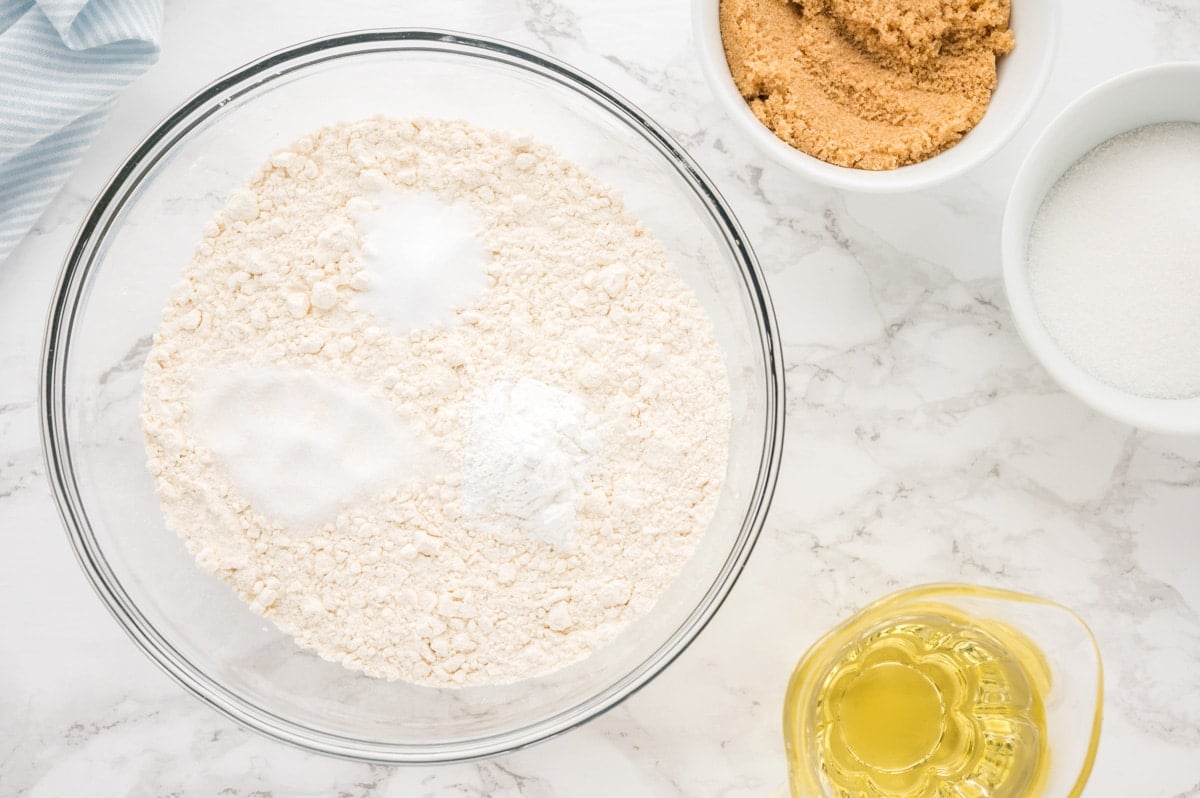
(1165, 93)
(1022, 76)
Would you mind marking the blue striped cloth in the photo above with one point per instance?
(62, 65)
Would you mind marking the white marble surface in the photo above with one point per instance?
(924, 444)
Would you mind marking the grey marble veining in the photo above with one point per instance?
(924, 444)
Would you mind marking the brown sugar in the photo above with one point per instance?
(871, 84)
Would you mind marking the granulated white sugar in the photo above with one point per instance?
(299, 445)
(1114, 261)
(562, 421)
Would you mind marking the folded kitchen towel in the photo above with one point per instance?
(62, 65)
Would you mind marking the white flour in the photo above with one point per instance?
(575, 411)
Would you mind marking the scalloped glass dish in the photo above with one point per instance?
(130, 251)
(943, 688)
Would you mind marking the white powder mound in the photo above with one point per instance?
(422, 259)
(526, 460)
(1114, 261)
(298, 445)
(576, 408)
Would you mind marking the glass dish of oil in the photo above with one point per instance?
(946, 691)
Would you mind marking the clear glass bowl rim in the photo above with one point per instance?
(68, 298)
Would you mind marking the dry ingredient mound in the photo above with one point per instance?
(581, 313)
(871, 84)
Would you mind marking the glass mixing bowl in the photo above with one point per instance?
(127, 257)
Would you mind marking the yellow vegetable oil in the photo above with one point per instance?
(928, 703)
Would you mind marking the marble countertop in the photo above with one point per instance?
(924, 444)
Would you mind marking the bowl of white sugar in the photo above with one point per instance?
(1101, 248)
(410, 397)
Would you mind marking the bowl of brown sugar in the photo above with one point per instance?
(878, 95)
